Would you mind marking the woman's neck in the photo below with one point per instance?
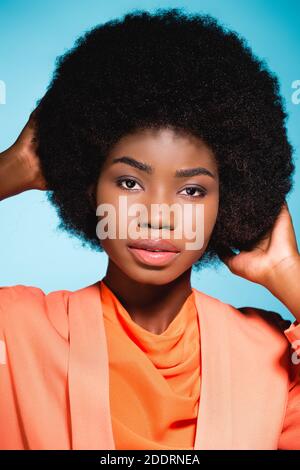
(152, 306)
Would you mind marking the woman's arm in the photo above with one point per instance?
(19, 164)
(275, 264)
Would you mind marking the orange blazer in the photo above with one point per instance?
(54, 376)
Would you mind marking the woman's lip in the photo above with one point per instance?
(153, 258)
(153, 244)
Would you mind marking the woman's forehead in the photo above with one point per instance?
(155, 149)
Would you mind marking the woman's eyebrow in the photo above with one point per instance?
(193, 172)
(135, 163)
(182, 173)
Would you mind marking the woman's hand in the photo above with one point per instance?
(275, 255)
(19, 165)
(25, 151)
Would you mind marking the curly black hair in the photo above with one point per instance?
(167, 69)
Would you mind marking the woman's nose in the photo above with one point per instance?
(158, 214)
(155, 226)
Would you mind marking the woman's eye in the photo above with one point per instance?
(128, 185)
(191, 190)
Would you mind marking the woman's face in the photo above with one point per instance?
(149, 176)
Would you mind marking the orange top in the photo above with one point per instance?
(154, 378)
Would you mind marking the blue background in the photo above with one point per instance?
(33, 34)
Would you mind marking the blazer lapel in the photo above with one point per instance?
(88, 379)
(214, 422)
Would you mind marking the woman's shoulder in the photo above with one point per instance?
(24, 304)
(21, 294)
(250, 327)
(247, 317)
(267, 316)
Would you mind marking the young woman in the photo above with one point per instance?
(170, 109)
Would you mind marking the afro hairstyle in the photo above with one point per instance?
(170, 69)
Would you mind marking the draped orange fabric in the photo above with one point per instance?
(154, 378)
